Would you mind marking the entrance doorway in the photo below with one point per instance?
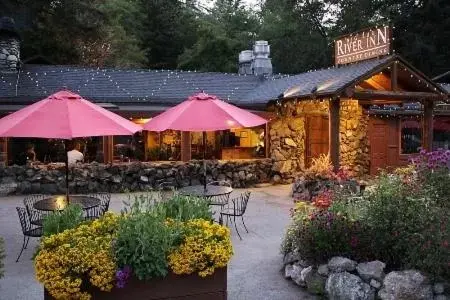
(317, 137)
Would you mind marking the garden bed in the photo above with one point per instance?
(171, 287)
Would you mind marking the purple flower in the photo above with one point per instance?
(122, 276)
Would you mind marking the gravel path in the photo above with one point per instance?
(254, 271)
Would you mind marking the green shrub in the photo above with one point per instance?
(183, 208)
(144, 239)
(57, 222)
(2, 257)
(407, 227)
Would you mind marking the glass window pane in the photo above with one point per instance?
(411, 136)
(441, 133)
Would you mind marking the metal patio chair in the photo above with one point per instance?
(98, 211)
(237, 210)
(28, 229)
(166, 190)
(36, 216)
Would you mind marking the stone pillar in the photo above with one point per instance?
(9, 46)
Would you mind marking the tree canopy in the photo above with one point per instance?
(185, 34)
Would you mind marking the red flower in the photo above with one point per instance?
(354, 241)
(445, 244)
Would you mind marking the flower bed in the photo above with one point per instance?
(402, 220)
(162, 248)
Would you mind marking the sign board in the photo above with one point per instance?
(362, 45)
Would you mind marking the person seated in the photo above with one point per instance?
(75, 155)
(29, 155)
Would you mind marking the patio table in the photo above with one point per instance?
(59, 203)
(209, 192)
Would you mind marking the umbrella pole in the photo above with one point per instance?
(67, 168)
(204, 158)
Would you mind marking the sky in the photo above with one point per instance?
(248, 3)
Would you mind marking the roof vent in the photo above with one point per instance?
(256, 61)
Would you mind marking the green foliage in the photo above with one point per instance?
(2, 257)
(183, 208)
(398, 221)
(407, 227)
(69, 218)
(146, 236)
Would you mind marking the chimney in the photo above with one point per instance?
(9, 45)
(262, 64)
(246, 62)
(256, 61)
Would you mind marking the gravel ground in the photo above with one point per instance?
(253, 273)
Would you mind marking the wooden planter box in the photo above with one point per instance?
(173, 286)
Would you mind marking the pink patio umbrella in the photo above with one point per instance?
(65, 115)
(203, 112)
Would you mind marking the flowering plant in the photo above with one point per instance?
(66, 259)
(323, 200)
(206, 247)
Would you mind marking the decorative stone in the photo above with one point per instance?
(438, 288)
(290, 142)
(315, 283)
(144, 179)
(341, 264)
(288, 271)
(11, 58)
(323, 270)
(405, 285)
(2, 56)
(375, 284)
(371, 269)
(346, 286)
(296, 274)
(291, 258)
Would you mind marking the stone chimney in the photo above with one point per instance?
(256, 61)
(9, 45)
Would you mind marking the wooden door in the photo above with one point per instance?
(384, 144)
(378, 145)
(317, 137)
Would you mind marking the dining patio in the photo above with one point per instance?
(251, 273)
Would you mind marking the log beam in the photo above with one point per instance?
(185, 146)
(427, 136)
(334, 133)
(396, 95)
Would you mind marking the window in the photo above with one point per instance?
(441, 133)
(411, 136)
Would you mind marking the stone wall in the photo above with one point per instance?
(354, 139)
(9, 53)
(137, 176)
(288, 136)
(343, 278)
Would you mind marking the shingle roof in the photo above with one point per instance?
(446, 86)
(122, 86)
(169, 87)
(326, 81)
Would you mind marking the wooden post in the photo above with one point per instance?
(267, 140)
(394, 76)
(185, 146)
(108, 149)
(334, 133)
(427, 136)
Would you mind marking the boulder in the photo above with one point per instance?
(296, 274)
(341, 264)
(288, 271)
(346, 286)
(371, 270)
(290, 258)
(375, 284)
(405, 285)
(315, 283)
(323, 270)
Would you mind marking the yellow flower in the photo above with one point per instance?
(66, 258)
(206, 247)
